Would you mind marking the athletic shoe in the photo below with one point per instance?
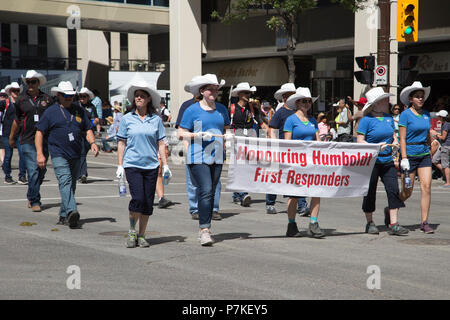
(142, 242)
(164, 203)
(292, 230)
(271, 210)
(83, 179)
(246, 201)
(36, 208)
(315, 231)
(216, 216)
(132, 239)
(236, 201)
(304, 212)
(22, 180)
(73, 219)
(205, 237)
(9, 180)
(397, 230)
(387, 217)
(425, 227)
(194, 216)
(371, 228)
(62, 221)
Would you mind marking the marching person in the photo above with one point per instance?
(276, 131)
(85, 95)
(414, 131)
(29, 109)
(378, 127)
(7, 119)
(65, 124)
(191, 189)
(141, 135)
(242, 120)
(205, 152)
(300, 126)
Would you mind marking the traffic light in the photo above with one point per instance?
(407, 20)
(406, 75)
(367, 64)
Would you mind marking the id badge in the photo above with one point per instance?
(245, 132)
(71, 138)
(36, 118)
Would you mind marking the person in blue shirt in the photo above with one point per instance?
(191, 190)
(205, 152)
(376, 126)
(414, 131)
(141, 135)
(300, 126)
(65, 124)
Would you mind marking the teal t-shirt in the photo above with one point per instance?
(417, 129)
(301, 130)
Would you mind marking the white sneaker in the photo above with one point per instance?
(204, 236)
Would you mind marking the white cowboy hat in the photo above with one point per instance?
(417, 85)
(197, 82)
(243, 86)
(144, 86)
(64, 87)
(13, 85)
(33, 74)
(300, 93)
(87, 91)
(374, 95)
(285, 88)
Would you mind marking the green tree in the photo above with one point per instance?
(282, 14)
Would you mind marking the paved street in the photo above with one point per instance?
(251, 259)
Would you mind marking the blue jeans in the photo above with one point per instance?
(83, 163)
(238, 196)
(66, 172)
(8, 156)
(35, 174)
(192, 193)
(205, 177)
(106, 145)
(271, 198)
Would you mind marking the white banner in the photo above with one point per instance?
(301, 168)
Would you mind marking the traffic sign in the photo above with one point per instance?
(381, 75)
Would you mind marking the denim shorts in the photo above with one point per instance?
(418, 162)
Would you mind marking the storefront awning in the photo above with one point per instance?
(269, 72)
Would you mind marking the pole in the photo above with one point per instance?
(383, 37)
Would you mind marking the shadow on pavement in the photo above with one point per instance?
(161, 240)
(93, 220)
(229, 236)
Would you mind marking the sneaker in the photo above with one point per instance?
(194, 216)
(371, 228)
(62, 221)
(83, 179)
(164, 203)
(292, 230)
(236, 201)
(22, 180)
(36, 208)
(73, 219)
(387, 217)
(425, 227)
(141, 242)
(315, 231)
(9, 180)
(271, 210)
(304, 212)
(397, 230)
(205, 237)
(246, 201)
(216, 216)
(132, 240)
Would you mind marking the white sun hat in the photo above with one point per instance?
(243, 86)
(442, 113)
(285, 88)
(300, 93)
(33, 74)
(85, 90)
(64, 87)
(197, 82)
(144, 86)
(13, 85)
(417, 85)
(374, 95)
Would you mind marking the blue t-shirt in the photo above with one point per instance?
(301, 130)
(195, 119)
(278, 120)
(65, 129)
(377, 130)
(417, 129)
(183, 108)
(142, 139)
(446, 127)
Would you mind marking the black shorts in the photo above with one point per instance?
(142, 185)
(418, 162)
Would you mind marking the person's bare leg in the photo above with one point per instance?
(425, 187)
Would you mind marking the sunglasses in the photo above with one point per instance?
(306, 101)
(246, 92)
(3, 95)
(84, 96)
(397, 109)
(14, 90)
(141, 95)
(67, 95)
(32, 82)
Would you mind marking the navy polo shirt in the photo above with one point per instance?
(65, 129)
(183, 107)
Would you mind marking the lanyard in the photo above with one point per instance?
(64, 115)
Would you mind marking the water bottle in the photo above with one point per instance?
(166, 179)
(122, 187)
(408, 184)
